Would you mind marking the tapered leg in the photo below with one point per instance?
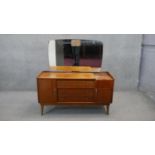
(107, 107)
(42, 109)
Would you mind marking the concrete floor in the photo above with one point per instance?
(127, 106)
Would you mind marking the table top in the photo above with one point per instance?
(75, 68)
(68, 75)
(74, 75)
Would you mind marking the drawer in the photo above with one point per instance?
(75, 83)
(76, 99)
(76, 93)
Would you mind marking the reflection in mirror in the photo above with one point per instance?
(77, 52)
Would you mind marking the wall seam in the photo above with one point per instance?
(141, 63)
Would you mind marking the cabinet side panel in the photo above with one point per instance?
(104, 96)
(46, 91)
(104, 91)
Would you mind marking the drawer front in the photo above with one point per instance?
(76, 92)
(76, 95)
(76, 84)
(76, 99)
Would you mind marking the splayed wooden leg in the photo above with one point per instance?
(106, 108)
(42, 109)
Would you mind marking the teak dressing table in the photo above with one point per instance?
(78, 86)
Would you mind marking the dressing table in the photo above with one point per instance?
(75, 86)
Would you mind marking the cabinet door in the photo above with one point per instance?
(46, 91)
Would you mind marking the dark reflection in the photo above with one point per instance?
(79, 52)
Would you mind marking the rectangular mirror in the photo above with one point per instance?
(76, 52)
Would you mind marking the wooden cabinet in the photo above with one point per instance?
(75, 88)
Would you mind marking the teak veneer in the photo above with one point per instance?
(75, 86)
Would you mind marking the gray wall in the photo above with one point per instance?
(22, 57)
(147, 72)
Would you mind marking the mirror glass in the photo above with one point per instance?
(77, 52)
